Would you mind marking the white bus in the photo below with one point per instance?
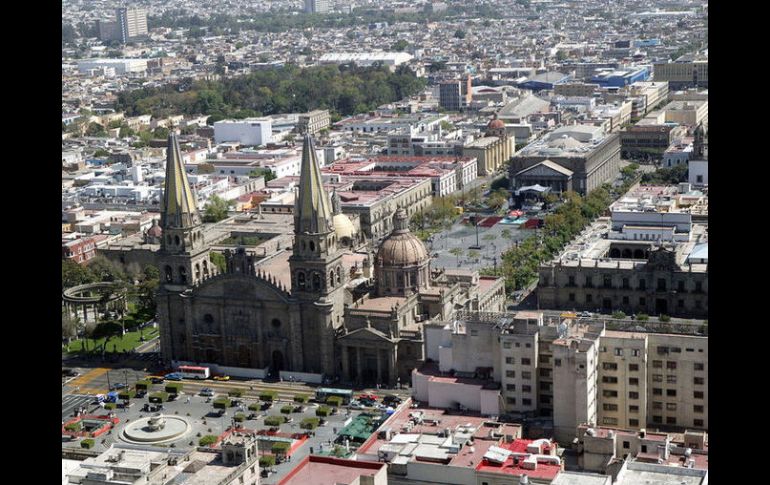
(194, 372)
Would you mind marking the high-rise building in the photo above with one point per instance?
(317, 6)
(455, 95)
(132, 23)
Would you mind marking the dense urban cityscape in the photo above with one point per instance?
(385, 242)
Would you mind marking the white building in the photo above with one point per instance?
(699, 172)
(366, 58)
(249, 131)
(121, 66)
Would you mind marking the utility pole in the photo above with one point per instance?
(476, 223)
(109, 387)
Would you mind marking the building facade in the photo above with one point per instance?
(132, 23)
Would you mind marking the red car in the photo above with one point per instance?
(367, 397)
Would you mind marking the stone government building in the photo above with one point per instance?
(322, 307)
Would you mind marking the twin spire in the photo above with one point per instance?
(313, 212)
(179, 209)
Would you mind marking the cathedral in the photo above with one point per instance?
(332, 304)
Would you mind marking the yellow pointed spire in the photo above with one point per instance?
(313, 210)
(179, 209)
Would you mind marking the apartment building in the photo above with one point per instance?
(314, 121)
(682, 75)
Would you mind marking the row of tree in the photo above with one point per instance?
(343, 90)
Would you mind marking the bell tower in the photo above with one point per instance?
(317, 274)
(184, 255)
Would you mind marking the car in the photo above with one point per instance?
(173, 377)
(117, 386)
(141, 393)
(221, 378)
(367, 397)
(356, 405)
(155, 379)
(586, 314)
(391, 400)
(207, 392)
(69, 373)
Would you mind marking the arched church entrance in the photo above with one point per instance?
(277, 362)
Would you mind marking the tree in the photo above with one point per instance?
(104, 269)
(219, 261)
(95, 129)
(73, 274)
(400, 45)
(216, 209)
(69, 326)
(456, 252)
(473, 254)
(205, 168)
(459, 34)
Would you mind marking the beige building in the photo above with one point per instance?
(575, 89)
(681, 75)
(314, 121)
(493, 150)
(689, 113)
(646, 95)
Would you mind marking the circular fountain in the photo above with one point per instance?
(155, 429)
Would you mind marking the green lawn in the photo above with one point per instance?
(129, 341)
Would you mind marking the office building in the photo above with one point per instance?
(317, 6)
(132, 23)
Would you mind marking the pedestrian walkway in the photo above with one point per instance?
(89, 376)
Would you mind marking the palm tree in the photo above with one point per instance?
(456, 252)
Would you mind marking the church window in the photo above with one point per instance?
(169, 274)
(182, 274)
(312, 246)
(176, 240)
(301, 279)
(208, 318)
(316, 280)
(197, 271)
(168, 239)
(205, 267)
(339, 276)
(276, 323)
(303, 245)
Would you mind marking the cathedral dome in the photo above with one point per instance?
(401, 248)
(343, 228)
(496, 124)
(155, 230)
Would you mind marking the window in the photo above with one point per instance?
(528, 345)
(698, 287)
(626, 445)
(690, 350)
(545, 359)
(610, 366)
(680, 286)
(657, 364)
(545, 400)
(657, 405)
(635, 352)
(517, 345)
(697, 394)
(607, 281)
(657, 378)
(633, 395)
(670, 406)
(680, 303)
(474, 333)
(509, 360)
(697, 422)
(625, 300)
(661, 284)
(670, 365)
(671, 392)
(589, 298)
(671, 379)
(698, 365)
(545, 386)
(557, 362)
(633, 381)
(610, 407)
(698, 408)
(526, 402)
(572, 297)
(609, 393)
(633, 422)
(510, 387)
(657, 391)
(633, 409)
(642, 286)
(633, 367)
(510, 373)
(526, 375)
(671, 420)
(610, 421)
(655, 419)
(526, 361)
(506, 345)
(642, 301)
(510, 400)
(526, 388)
(610, 379)
(545, 372)
(698, 380)
(625, 283)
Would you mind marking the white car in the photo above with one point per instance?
(207, 392)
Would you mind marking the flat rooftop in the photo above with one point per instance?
(323, 470)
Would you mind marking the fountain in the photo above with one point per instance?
(155, 429)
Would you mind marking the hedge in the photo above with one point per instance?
(266, 461)
(110, 406)
(334, 401)
(309, 423)
(642, 317)
(323, 411)
(275, 420)
(235, 392)
(207, 440)
(255, 407)
(174, 387)
(280, 447)
(158, 397)
(87, 443)
(126, 395)
(143, 385)
(287, 409)
(240, 417)
(222, 403)
(268, 395)
(302, 398)
(77, 426)
(665, 318)
(618, 315)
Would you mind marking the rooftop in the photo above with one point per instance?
(324, 470)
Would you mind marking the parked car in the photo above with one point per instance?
(156, 379)
(367, 397)
(221, 378)
(174, 377)
(586, 314)
(392, 400)
(117, 386)
(206, 392)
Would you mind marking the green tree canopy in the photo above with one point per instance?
(216, 209)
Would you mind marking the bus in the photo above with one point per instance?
(194, 372)
(323, 392)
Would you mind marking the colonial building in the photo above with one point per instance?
(316, 309)
(493, 150)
